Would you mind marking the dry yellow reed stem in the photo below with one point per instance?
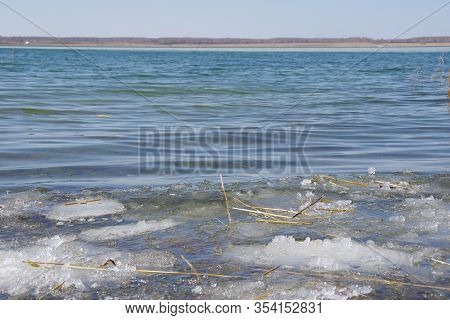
(354, 183)
(226, 198)
(58, 287)
(334, 210)
(276, 209)
(255, 208)
(338, 185)
(174, 273)
(36, 264)
(271, 270)
(266, 214)
(440, 261)
(262, 296)
(191, 266)
(285, 222)
(82, 202)
(392, 185)
(145, 271)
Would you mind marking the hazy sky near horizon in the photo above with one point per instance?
(230, 18)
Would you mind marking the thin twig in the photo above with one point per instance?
(191, 266)
(82, 202)
(109, 261)
(271, 270)
(307, 207)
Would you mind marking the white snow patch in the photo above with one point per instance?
(336, 254)
(126, 230)
(90, 209)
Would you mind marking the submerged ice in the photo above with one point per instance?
(21, 203)
(293, 290)
(72, 211)
(329, 254)
(408, 227)
(126, 230)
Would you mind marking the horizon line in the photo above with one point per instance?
(366, 38)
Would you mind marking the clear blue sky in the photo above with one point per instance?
(226, 18)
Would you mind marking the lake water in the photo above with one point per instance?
(116, 154)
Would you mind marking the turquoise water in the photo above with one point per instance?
(73, 127)
(71, 119)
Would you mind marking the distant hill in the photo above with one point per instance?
(221, 42)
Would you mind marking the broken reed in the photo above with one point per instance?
(38, 264)
(359, 278)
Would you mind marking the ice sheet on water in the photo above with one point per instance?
(312, 290)
(18, 278)
(85, 209)
(125, 230)
(20, 203)
(254, 230)
(335, 254)
(426, 215)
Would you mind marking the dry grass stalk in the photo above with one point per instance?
(36, 264)
(285, 222)
(226, 198)
(353, 183)
(55, 288)
(393, 185)
(440, 261)
(191, 266)
(257, 212)
(276, 209)
(307, 207)
(174, 273)
(262, 296)
(261, 211)
(338, 185)
(335, 210)
(81, 202)
(255, 208)
(58, 287)
(312, 274)
(270, 270)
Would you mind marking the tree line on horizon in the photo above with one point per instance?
(20, 40)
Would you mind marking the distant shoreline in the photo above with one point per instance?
(221, 43)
